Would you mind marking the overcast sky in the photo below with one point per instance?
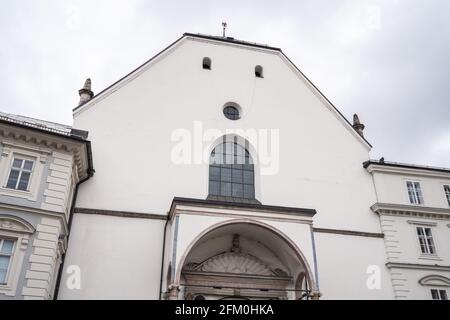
(387, 60)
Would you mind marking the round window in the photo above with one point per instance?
(231, 113)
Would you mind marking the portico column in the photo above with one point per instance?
(173, 292)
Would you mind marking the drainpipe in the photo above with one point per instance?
(72, 209)
(162, 259)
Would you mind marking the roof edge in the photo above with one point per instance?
(127, 75)
(326, 99)
(231, 40)
(79, 136)
(236, 205)
(370, 163)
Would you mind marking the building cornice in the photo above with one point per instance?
(199, 206)
(350, 233)
(411, 211)
(121, 214)
(406, 169)
(48, 142)
(54, 214)
(415, 266)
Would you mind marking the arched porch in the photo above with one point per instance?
(243, 260)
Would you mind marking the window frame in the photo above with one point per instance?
(417, 192)
(10, 256)
(20, 231)
(423, 237)
(447, 192)
(245, 189)
(21, 171)
(439, 292)
(39, 156)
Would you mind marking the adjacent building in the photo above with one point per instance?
(413, 204)
(213, 181)
(41, 164)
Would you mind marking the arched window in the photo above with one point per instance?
(437, 285)
(207, 63)
(259, 72)
(231, 172)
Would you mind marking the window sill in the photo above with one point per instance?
(430, 257)
(17, 193)
(417, 204)
(6, 290)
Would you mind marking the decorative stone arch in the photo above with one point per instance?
(298, 253)
(435, 281)
(15, 224)
(300, 284)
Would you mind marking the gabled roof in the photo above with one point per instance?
(51, 129)
(231, 40)
(42, 125)
(234, 41)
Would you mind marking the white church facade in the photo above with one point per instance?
(216, 170)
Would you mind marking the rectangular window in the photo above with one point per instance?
(439, 294)
(6, 251)
(20, 174)
(447, 193)
(426, 240)
(414, 192)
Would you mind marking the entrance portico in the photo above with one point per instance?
(234, 251)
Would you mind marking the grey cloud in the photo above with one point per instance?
(395, 74)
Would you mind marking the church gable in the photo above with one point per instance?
(86, 104)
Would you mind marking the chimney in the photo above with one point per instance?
(358, 126)
(86, 93)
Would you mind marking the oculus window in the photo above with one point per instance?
(232, 113)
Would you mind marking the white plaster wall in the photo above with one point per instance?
(412, 289)
(401, 241)
(404, 243)
(343, 263)
(119, 258)
(391, 188)
(320, 158)
(320, 163)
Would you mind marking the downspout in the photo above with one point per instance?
(162, 259)
(90, 172)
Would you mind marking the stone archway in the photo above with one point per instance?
(243, 261)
